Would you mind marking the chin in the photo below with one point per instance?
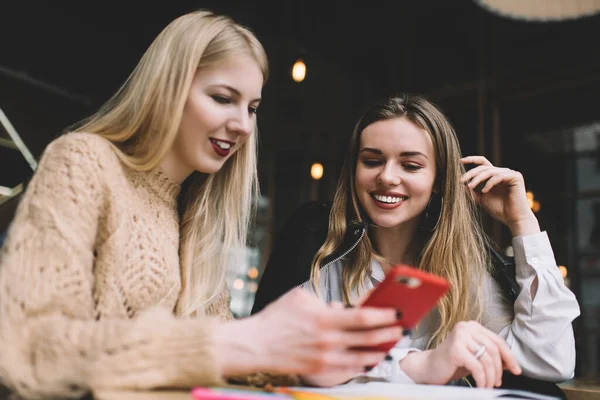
(209, 168)
(386, 219)
(386, 222)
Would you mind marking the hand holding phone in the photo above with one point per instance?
(413, 293)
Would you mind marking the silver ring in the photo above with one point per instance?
(479, 351)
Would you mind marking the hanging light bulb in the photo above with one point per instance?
(542, 10)
(563, 270)
(299, 71)
(316, 171)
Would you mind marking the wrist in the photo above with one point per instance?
(239, 354)
(528, 225)
(415, 365)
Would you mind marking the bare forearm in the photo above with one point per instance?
(239, 354)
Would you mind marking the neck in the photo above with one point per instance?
(174, 169)
(397, 244)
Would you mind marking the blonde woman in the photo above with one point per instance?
(113, 273)
(404, 197)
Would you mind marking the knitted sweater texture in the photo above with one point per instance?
(89, 279)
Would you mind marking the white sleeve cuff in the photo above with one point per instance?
(390, 369)
(533, 253)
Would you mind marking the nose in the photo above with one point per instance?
(242, 123)
(389, 175)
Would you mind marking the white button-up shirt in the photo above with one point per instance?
(538, 330)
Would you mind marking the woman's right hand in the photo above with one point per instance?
(469, 349)
(298, 334)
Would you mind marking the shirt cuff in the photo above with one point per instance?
(533, 251)
(390, 369)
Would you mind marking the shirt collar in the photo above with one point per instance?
(377, 271)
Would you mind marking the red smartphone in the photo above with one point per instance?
(410, 291)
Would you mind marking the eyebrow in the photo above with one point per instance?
(236, 92)
(403, 154)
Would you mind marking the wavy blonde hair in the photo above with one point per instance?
(455, 250)
(142, 121)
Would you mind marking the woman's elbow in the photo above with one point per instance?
(565, 371)
(559, 370)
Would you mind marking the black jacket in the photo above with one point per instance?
(303, 235)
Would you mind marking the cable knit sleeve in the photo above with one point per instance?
(52, 342)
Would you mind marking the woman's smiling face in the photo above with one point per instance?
(395, 172)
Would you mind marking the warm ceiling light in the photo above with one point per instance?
(563, 271)
(316, 171)
(253, 273)
(299, 71)
(530, 200)
(252, 287)
(542, 10)
(238, 284)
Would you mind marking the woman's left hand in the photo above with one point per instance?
(503, 195)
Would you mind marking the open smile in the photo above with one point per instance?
(221, 147)
(388, 200)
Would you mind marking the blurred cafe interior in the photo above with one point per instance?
(519, 80)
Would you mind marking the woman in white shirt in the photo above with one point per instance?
(404, 197)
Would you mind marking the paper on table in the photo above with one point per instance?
(392, 391)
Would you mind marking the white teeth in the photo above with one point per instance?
(388, 199)
(223, 145)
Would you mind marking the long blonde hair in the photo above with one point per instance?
(455, 250)
(142, 121)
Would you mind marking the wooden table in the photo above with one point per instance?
(578, 393)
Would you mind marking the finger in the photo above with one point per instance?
(371, 337)
(360, 318)
(508, 359)
(336, 304)
(333, 361)
(480, 160)
(489, 359)
(493, 354)
(473, 366)
(489, 368)
(346, 373)
(364, 296)
(467, 176)
(510, 177)
(493, 175)
(479, 180)
(493, 181)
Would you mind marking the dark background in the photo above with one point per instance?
(512, 89)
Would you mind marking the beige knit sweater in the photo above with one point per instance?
(89, 277)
